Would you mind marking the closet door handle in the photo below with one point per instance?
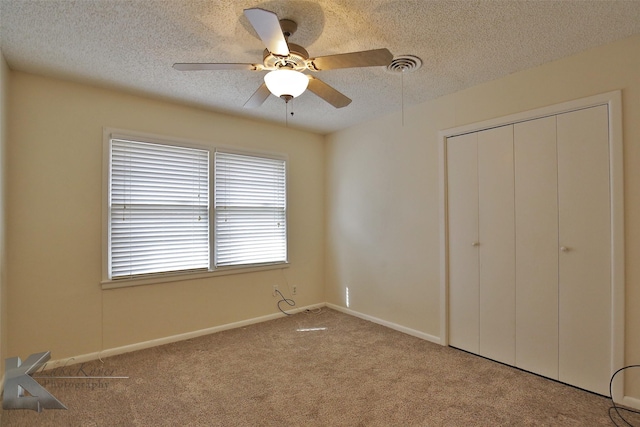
(474, 244)
(564, 249)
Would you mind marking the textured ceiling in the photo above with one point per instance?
(132, 44)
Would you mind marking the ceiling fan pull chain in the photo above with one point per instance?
(404, 64)
(402, 94)
(286, 114)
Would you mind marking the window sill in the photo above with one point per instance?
(180, 277)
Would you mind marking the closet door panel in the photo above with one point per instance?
(462, 176)
(536, 225)
(496, 244)
(585, 240)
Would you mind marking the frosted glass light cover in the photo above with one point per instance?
(286, 82)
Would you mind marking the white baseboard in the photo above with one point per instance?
(99, 355)
(395, 326)
(170, 339)
(630, 402)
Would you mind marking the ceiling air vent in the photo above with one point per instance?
(404, 64)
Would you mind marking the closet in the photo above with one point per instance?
(528, 208)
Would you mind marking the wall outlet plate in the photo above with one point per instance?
(275, 288)
(294, 290)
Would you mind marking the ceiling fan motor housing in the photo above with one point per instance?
(297, 59)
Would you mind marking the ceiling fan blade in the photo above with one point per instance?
(328, 93)
(267, 25)
(258, 97)
(365, 58)
(219, 66)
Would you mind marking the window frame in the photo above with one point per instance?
(163, 277)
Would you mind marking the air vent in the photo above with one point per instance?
(404, 64)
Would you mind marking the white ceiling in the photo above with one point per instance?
(132, 44)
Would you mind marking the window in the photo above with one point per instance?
(159, 208)
(250, 210)
(158, 218)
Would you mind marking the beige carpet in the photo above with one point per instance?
(326, 369)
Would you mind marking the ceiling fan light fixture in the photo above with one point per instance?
(286, 83)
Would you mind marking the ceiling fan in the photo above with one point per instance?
(286, 62)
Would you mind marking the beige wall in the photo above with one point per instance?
(382, 188)
(54, 222)
(4, 90)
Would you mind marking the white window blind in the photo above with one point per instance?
(250, 210)
(159, 208)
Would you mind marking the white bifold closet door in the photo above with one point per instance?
(464, 278)
(480, 204)
(536, 219)
(529, 238)
(563, 247)
(496, 244)
(585, 249)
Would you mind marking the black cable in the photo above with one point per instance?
(616, 408)
(287, 300)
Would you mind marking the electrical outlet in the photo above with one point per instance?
(294, 290)
(274, 293)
